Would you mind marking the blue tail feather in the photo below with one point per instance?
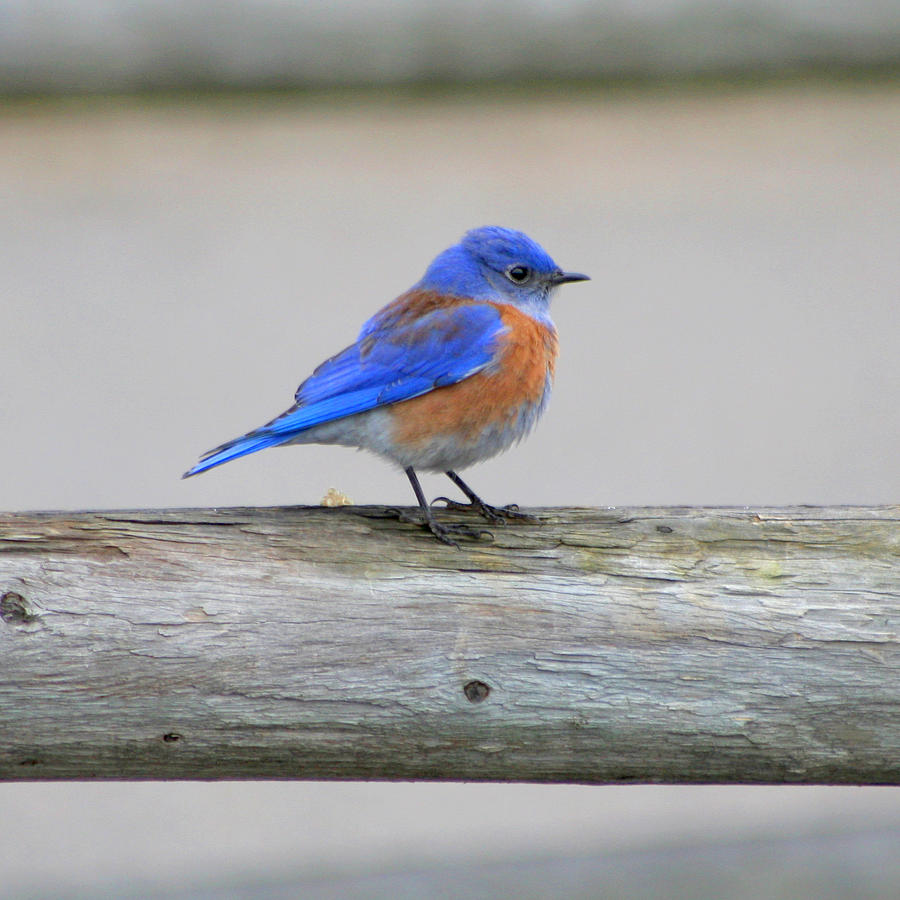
(249, 443)
(285, 428)
(300, 418)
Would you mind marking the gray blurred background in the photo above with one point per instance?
(200, 201)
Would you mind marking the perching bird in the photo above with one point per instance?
(450, 373)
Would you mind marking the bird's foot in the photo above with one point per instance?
(497, 515)
(444, 533)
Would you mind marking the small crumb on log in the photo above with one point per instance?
(333, 497)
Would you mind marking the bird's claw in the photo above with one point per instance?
(441, 532)
(402, 516)
(496, 515)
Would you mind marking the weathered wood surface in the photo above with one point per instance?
(671, 645)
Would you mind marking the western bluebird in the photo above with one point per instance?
(454, 371)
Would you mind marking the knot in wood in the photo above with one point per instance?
(476, 691)
(14, 609)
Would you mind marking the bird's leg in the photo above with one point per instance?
(441, 532)
(497, 515)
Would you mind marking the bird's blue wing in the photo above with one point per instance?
(399, 355)
(396, 360)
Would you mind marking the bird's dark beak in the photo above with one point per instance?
(567, 277)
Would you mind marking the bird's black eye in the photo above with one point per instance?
(518, 274)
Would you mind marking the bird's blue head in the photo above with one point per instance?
(499, 264)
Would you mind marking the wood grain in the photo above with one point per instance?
(652, 645)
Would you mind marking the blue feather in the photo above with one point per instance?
(388, 363)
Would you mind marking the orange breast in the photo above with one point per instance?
(490, 400)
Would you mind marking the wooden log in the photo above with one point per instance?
(651, 645)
